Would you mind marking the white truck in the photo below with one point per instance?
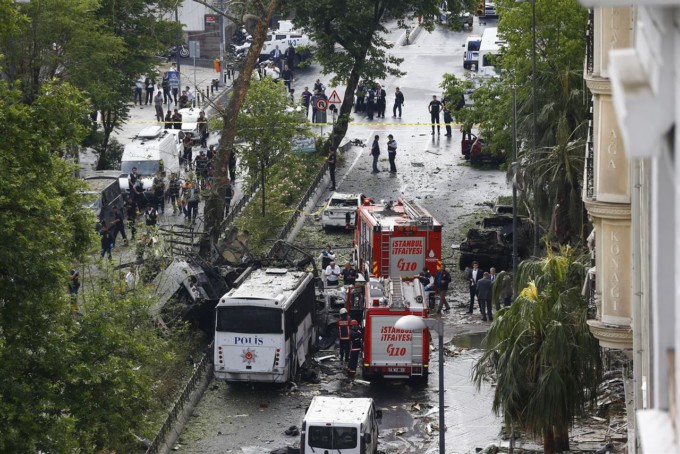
(153, 150)
(336, 425)
(340, 210)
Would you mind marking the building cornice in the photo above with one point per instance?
(598, 85)
(616, 337)
(607, 210)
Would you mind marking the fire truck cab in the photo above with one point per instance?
(390, 352)
(396, 240)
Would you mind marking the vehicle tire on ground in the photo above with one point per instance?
(183, 52)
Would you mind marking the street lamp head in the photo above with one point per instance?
(410, 323)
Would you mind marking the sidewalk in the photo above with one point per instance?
(143, 116)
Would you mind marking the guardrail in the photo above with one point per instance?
(178, 406)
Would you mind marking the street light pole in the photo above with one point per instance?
(413, 323)
(177, 37)
(515, 164)
(535, 109)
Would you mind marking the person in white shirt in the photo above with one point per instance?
(190, 96)
(332, 274)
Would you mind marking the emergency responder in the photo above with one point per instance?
(343, 335)
(356, 342)
(349, 274)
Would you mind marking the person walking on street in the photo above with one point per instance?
(361, 95)
(355, 345)
(375, 152)
(118, 225)
(442, 281)
(330, 160)
(473, 276)
(187, 143)
(484, 286)
(106, 242)
(158, 105)
(194, 197)
(398, 102)
(380, 101)
(306, 98)
(287, 76)
(344, 334)
(434, 108)
(327, 256)
(448, 119)
(392, 152)
(276, 57)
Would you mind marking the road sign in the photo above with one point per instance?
(173, 78)
(335, 99)
(321, 104)
(194, 49)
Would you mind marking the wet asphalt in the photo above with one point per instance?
(430, 169)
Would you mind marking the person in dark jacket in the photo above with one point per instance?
(484, 286)
(330, 160)
(361, 96)
(106, 242)
(356, 343)
(177, 120)
(168, 120)
(380, 100)
(370, 103)
(442, 281)
(398, 102)
(375, 152)
(448, 119)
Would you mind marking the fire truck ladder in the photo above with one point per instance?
(417, 353)
(384, 254)
(396, 293)
(416, 213)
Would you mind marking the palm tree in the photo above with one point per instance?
(546, 362)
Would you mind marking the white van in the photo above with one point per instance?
(339, 209)
(153, 150)
(190, 122)
(336, 425)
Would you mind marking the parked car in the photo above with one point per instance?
(339, 210)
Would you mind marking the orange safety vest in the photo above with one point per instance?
(343, 329)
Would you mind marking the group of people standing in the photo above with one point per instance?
(481, 285)
(372, 99)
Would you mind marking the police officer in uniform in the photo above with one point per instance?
(343, 335)
(356, 342)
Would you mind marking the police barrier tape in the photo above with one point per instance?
(351, 123)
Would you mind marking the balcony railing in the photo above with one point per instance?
(590, 42)
(590, 173)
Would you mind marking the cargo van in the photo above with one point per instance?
(153, 150)
(336, 425)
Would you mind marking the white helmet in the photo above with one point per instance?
(343, 311)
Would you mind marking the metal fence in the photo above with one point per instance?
(203, 367)
(303, 201)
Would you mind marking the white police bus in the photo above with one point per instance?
(264, 329)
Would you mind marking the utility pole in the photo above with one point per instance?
(535, 109)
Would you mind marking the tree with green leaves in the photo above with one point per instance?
(255, 15)
(101, 47)
(268, 123)
(545, 360)
(360, 31)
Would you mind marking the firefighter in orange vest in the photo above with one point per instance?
(343, 335)
(356, 342)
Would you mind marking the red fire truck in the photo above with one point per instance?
(390, 352)
(397, 240)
